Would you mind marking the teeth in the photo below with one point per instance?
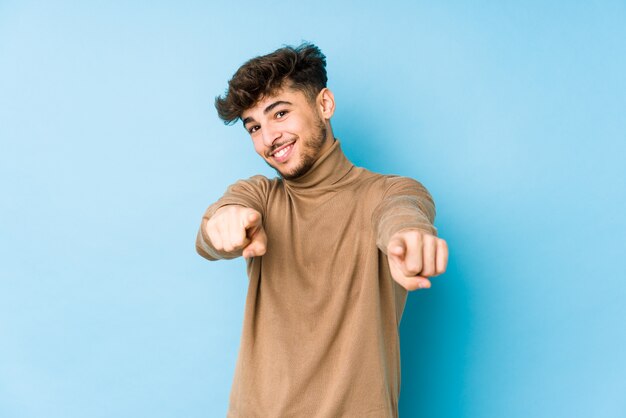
(282, 151)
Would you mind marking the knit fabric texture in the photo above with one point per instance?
(320, 331)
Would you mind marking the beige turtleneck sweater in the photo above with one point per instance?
(320, 331)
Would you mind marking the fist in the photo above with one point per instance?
(235, 228)
(414, 256)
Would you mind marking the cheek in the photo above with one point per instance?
(259, 147)
(296, 125)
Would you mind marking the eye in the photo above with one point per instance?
(280, 114)
(253, 129)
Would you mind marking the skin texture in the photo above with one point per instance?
(289, 117)
(234, 228)
(414, 256)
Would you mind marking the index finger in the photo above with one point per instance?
(396, 249)
(251, 219)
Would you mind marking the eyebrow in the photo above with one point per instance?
(267, 110)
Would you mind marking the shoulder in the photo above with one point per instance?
(399, 184)
(257, 183)
(252, 192)
(390, 184)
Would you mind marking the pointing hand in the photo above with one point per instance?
(414, 256)
(234, 228)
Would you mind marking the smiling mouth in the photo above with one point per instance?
(281, 153)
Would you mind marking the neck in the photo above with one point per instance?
(330, 140)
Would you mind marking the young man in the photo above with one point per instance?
(331, 250)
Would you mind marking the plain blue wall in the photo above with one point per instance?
(511, 113)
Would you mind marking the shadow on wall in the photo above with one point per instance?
(435, 327)
(434, 334)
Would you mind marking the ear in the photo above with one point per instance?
(326, 103)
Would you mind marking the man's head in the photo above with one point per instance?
(303, 68)
(285, 106)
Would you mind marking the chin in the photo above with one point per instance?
(300, 170)
(290, 174)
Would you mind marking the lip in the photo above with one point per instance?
(283, 158)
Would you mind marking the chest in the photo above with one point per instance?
(320, 230)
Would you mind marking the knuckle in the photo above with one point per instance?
(413, 271)
(413, 267)
(428, 271)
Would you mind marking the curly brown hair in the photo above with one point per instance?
(304, 67)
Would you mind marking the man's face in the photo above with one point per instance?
(288, 131)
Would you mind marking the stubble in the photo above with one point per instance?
(310, 153)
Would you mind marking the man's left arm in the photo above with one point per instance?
(406, 234)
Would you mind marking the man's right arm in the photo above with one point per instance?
(233, 226)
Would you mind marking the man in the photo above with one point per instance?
(331, 250)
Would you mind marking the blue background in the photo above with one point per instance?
(511, 113)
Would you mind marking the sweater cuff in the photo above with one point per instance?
(403, 213)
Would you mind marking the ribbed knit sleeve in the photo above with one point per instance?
(251, 193)
(406, 204)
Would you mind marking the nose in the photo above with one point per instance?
(270, 135)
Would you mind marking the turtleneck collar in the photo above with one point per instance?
(329, 168)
